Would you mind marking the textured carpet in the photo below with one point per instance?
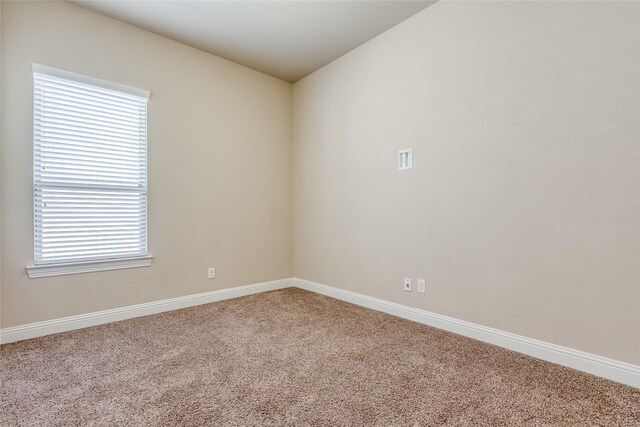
(292, 357)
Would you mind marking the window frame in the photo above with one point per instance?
(89, 265)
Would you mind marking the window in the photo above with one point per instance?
(90, 174)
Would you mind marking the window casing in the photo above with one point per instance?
(89, 169)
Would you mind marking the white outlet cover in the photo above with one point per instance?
(405, 159)
(407, 285)
(211, 273)
(421, 286)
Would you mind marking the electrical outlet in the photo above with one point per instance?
(405, 159)
(211, 273)
(421, 286)
(407, 285)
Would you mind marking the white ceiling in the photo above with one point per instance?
(286, 39)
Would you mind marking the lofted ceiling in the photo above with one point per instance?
(286, 39)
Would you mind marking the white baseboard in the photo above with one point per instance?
(38, 329)
(622, 372)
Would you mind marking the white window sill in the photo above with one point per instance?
(35, 271)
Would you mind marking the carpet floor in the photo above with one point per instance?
(292, 358)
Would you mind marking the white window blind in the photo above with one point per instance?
(90, 169)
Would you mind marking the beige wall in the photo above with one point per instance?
(0, 167)
(521, 211)
(220, 182)
(522, 208)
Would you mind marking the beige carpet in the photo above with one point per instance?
(294, 358)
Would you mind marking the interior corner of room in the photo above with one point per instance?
(474, 168)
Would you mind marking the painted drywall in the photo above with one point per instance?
(220, 170)
(521, 210)
(0, 167)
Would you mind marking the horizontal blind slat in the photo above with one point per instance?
(70, 87)
(87, 166)
(89, 176)
(86, 237)
(93, 227)
(86, 151)
(53, 205)
(77, 107)
(85, 187)
(53, 101)
(44, 123)
(82, 169)
(62, 200)
(89, 245)
(43, 96)
(62, 120)
(51, 135)
(78, 256)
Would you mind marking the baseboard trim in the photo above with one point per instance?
(38, 329)
(615, 370)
